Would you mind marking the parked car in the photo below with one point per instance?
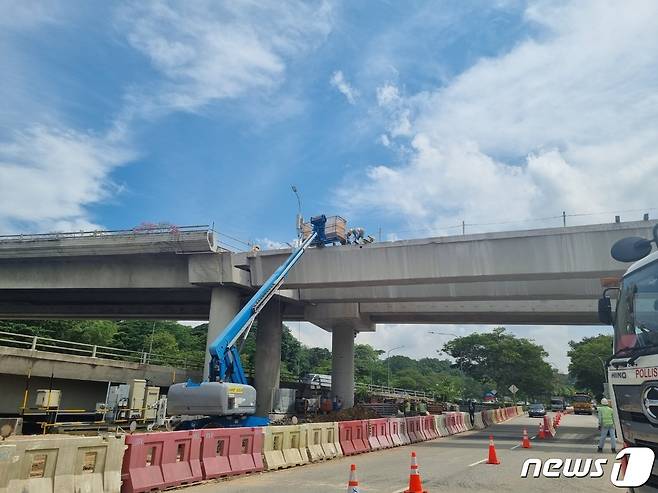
(536, 411)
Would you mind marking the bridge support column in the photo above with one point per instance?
(342, 365)
(224, 305)
(268, 357)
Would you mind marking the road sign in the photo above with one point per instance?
(513, 389)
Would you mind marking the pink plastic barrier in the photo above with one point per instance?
(394, 432)
(451, 422)
(161, 460)
(461, 426)
(379, 433)
(353, 436)
(429, 427)
(413, 429)
(231, 451)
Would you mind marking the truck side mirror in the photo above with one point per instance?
(605, 311)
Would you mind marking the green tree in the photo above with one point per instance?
(99, 332)
(586, 365)
(504, 359)
(367, 365)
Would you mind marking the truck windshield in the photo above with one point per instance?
(636, 324)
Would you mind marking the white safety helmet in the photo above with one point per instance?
(604, 402)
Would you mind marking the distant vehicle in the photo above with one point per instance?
(536, 411)
(558, 404)
(582, 404)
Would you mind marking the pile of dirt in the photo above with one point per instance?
(356, 412)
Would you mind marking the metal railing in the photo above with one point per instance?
(386, 391)
(143, 229)
(40, 343)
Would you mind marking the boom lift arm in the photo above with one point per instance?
(225, 365)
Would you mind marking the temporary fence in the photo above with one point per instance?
(161, 460)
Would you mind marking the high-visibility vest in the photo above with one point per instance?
(605, 416)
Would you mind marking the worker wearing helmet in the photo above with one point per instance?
(606, 425)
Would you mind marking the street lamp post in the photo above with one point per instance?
(388, 365)
(605, 371)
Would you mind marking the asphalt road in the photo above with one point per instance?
(456, 463)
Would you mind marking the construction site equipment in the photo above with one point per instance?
(227, 393)
(333, 229)
(226, 398)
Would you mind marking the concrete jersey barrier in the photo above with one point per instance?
(285, 446)
(440, 423)
(322, 441)
(59, 463)
(479, 422)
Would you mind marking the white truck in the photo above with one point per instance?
(633, 368)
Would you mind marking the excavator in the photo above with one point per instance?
(226, 399)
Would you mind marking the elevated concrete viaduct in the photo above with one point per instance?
(546, 276)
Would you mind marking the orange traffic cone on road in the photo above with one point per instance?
(353, 483)
(493, 459)
(415, 484)
(526, 440)
(541, 434)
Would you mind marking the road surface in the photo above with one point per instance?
(456, 463)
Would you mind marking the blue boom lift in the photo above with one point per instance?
(226, 399)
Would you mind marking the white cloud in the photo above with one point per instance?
(48, 176)
(566, 121)
(269, 244)
(209, 51)
(388, 95)
(340, 83)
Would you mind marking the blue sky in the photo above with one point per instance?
(404, 116)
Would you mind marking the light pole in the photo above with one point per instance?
(388, 365)
(299, 211)
(605, 372)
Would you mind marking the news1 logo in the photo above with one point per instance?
(631, 469)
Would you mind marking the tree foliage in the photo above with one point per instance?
(483, 361)
(586, 366)
(500, 359)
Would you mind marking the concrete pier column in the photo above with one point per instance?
(268, 356)
(342, 365)
(224, 305)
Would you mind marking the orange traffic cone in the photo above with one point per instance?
(353, 483)
(541, 431)
(493, 459)
(526, 440)
(415, 484)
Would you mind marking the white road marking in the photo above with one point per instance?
(476, 463)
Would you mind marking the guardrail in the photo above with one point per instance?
(40, 343)
(143, 229)
(393, 391)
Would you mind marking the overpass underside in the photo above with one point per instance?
(550, 276)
